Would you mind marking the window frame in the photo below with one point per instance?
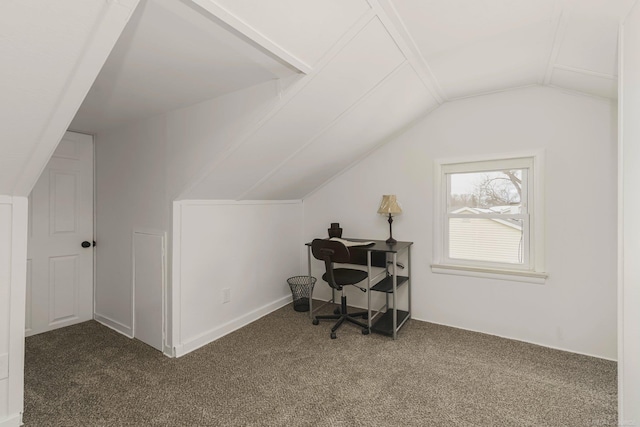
(532, 269)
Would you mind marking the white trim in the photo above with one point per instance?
(489, 157)
(398, 31)
(487, 165)
(620, 271)
(198, 202)
(326, 128)
(585, 72)
(534, 265)
(112, 20)
(294, 90)
(561, 15)
(163, 236)
(576, 92)
(94, 276)
(125, 330)
(12, 421)
(178, 348)
(265, 43)
(17, 298)
(232, 325)
(622, 21)
(490, 273)
(514, 339)
(493, 92)
(176, 284)
(169, 351)
(373, 149)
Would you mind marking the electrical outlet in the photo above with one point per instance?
(226, 295)
(4, 366)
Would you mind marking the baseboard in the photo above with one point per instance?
(12, 421)
(517, 339)
(114, 324)
(237, 323)
(168, 351)
(500, 336)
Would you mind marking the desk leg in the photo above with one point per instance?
(369, 289)
(409, 282)
(311, 291)
(395, 290)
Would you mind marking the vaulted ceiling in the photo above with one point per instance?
(170, 56)
(367, 69)
(467, 47)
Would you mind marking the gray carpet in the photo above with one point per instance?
(283, 371)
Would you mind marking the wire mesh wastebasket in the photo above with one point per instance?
(301, 290)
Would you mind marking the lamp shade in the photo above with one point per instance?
(389, 205)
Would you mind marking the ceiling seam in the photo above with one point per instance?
(215, 10)
(586, 72)
(360, 24)
(325, 129)
(491, 92)
(374, 148)
(562, 21)
(623, 19)
(585, 94)
(95, 50)
(408, 47)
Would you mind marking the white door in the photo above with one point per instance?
(60, 269)
(148, 285)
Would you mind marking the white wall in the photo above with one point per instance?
(575, 309)
(141, 168)
(249, 248)
(198, 135)
(13, 259)
(130, 194)
(629, 231)
(51, 54)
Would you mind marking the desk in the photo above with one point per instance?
(380, 254)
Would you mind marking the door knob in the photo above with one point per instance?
(86, 244)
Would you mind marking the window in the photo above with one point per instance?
(487, 218)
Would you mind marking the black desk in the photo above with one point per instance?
(380, 254)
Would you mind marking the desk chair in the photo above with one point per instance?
(331, 252)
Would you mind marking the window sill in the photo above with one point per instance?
(491, 273)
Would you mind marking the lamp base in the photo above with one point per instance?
(391, 240)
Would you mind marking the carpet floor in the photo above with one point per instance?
(283, 371)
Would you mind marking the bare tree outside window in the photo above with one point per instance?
(487, 215)
(486, 189)
(485, 222)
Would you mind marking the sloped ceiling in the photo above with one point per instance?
(477, 46)
(171, 56)
(367, 70)
(392, 64)
(50, 54)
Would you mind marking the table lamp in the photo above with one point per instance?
(389, 205)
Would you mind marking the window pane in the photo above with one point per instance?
(486, 192)
(486, 239)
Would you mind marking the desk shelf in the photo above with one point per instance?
(386, 284)
(384, 325)
(378, 253)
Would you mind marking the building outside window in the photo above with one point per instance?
(487, 216)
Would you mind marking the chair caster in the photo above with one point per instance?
(336, 311)
(333, 335)
(315, 321)
(365, 331)
(365, 317)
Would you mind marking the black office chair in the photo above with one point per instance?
(330, 252)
